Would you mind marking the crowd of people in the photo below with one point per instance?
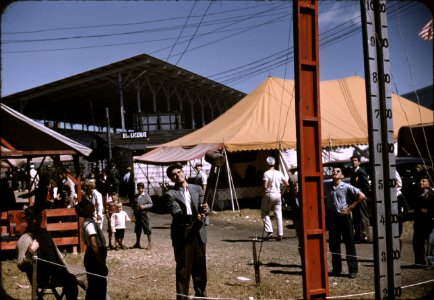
(347, 217)
(101, 203)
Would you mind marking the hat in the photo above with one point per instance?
(271, 161)
(31, 213)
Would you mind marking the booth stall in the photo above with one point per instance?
(25, 140)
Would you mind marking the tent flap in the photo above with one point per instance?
(167, 155)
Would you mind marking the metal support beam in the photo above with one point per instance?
(121, 100)
(309, 154)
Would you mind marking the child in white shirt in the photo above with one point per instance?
(118, 221)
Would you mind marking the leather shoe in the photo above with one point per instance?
(353, 275)
(269, 236)
(137, 246)
(279, 238)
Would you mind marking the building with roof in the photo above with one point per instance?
(144, 102)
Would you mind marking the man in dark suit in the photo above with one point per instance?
(188, 233)
(359, 179)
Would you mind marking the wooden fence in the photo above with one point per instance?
(62, 223)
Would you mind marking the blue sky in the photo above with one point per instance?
(237, 43)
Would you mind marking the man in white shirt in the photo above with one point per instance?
(272, 200)
(95, 198)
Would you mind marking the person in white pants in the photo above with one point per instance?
(272, 200)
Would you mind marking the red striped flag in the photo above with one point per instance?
(427, 31)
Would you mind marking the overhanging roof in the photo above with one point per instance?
(83, 98)
(21, 136)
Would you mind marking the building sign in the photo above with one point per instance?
(135, 135)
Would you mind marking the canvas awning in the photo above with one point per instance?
(265, 120)
(24, 137)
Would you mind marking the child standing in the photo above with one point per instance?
(118, 220)
(112, 200)
(141, 204)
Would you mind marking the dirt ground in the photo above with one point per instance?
(150, 274)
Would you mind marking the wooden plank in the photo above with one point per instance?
(62, 226)
(60, 212)
(52, 227)
(8, 245)
(3, 215)
(65, 241)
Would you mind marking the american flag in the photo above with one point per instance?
(427, 31)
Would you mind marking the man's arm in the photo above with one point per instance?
(359, 198)
(26, 249)
(285, 185)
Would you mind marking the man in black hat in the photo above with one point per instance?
(51, 268)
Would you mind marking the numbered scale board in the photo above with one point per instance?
(380, 116)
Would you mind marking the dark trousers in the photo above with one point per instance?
(342, 227)
(96, 275)
(421, 231)
(191, 262)
(361, 221)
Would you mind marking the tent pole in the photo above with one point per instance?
(215, 189)
(231, 184)
(229, 179)
(233, 188)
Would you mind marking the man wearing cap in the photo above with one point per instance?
(272, 200)
(51, 268)
(201, 177)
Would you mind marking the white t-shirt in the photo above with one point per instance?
(119, 220)
(274, 179)
(89, 229)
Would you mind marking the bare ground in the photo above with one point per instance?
(150, 274)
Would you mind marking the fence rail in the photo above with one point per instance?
(62, 223)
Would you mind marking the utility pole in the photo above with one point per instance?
(109, 140)
(121, 99)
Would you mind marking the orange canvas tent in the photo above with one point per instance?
(265, 120)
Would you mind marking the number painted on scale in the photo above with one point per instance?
(386, 77)
(396, 254)
(381, 7)
(397, 291)
(383, 256)
(384, 42)
(380, 184)
(389, 113)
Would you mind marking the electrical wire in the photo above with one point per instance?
(194, 34)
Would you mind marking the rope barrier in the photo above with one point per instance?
(113, 278)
